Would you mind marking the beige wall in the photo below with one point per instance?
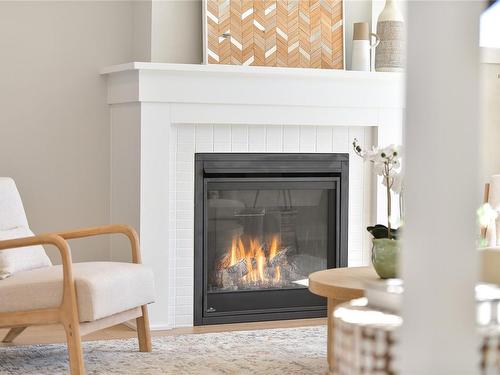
(54, 120)
(490, 90)
(176, 31)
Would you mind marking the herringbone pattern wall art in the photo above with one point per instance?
(291, 33)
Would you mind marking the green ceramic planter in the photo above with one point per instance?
(385, 255)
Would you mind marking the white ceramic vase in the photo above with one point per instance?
(390, 55)
(362, 47)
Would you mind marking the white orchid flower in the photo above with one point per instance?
(391, 152)
(397, 183)
(379, 169)
(486, 214)
(387, 164)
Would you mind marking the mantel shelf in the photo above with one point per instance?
(296, 89)
(254, 70)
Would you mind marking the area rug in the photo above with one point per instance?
(272, 351)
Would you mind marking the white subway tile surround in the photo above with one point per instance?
(186, 139)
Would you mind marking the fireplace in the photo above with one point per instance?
(263, 223)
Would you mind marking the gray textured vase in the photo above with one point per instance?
(385, 254)
(390, 54)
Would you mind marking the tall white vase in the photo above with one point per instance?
(390, 54)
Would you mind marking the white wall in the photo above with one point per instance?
(54, 119)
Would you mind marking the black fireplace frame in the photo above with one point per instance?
(333, 167)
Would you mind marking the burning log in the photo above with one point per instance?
(223, 262)
(293, 271)
(280, 259)
(227, 281)
(238, 270)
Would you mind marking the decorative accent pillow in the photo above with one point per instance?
(21, 259)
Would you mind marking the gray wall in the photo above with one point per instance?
(54, 120)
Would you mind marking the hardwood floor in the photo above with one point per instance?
(55, 333)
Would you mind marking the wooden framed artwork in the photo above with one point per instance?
(284, 33)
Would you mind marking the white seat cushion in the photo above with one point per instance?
(102, 288)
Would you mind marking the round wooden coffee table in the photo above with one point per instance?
(339, 285)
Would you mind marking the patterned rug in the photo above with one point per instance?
(267, 352)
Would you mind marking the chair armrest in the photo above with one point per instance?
(61, 245)
(127, 230)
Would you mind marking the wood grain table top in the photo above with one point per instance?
(342, 283)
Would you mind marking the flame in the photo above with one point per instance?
(277, 275)
(273, 250)
(256, 260)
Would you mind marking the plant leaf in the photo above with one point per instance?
(381, 231)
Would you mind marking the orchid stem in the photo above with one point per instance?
(389, 203)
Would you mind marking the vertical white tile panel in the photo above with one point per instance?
(257, 138)
(204, 134)
(239, 134)
(274, 138)
(369, 191)
(204, 147)
(222, 138)
(324, 139)
(291, 139)
(341, 141)
(185, 134)
(257, 134)
(222, 134)
(222, 147)
(356, 197)
(307, 139)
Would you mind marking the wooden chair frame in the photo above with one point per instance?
(67, 312)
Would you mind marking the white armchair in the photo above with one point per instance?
(83, 297)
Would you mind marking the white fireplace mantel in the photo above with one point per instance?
(161, 114)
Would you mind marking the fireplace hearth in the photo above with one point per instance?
(263, 223)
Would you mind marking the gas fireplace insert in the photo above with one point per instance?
(263, 223)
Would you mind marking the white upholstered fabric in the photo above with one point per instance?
(11, 207)
(103, 288)
(22, 259)
(13, 224)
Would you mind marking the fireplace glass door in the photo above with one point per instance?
(267, 235)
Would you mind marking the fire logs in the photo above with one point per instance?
(229, 276)
(280, 259)
(250, 264)
(238, 270)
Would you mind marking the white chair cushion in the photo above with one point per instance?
(11, 207)
(102, 288)
(21, 259)
(13, 224)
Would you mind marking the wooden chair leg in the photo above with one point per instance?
(74, 339)
(143, 332)
(12, 334)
